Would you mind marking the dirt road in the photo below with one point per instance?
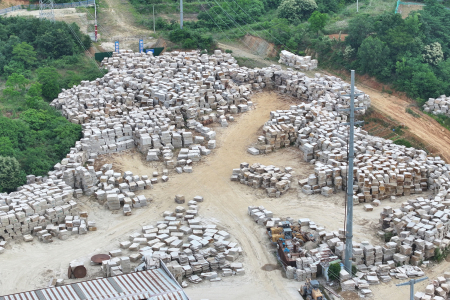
(117, 24)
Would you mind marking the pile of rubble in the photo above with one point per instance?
(438, 289)
(189, 246)
(420, 226)
(304, 63)
(438, 106)
(43, 208)
(275, 180)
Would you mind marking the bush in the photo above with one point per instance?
(10, 174)
(333, 271)
(403, 142)
(296, 9)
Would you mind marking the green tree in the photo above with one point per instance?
(15, 86)
(296, 9)
(358, 29)
(49, 78)
(6, 147)
(373, 57)
(10, 174)
(36, 119)
(317, 21)
(17, 81)
(25, 52)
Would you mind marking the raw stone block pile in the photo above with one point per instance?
(304, 63)
(43, 208)
(117, 189)
(154, 105)
(382, 169)
(437, 289)
(190, 247)
(275, 180)
(420, 224)
(438, 106)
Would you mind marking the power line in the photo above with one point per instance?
(81, 44)
(231, 40)
(261, 26)
(216, 23)
(245, 22)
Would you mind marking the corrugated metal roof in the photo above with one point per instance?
(151, 284)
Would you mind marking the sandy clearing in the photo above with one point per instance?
(225, 204)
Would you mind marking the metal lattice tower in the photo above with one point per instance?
(46, 10)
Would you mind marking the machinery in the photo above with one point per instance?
(289, 240)
(286, 225)
(311, 291)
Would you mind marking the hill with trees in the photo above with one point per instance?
(37, 59)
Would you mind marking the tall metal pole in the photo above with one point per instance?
(46, 10)
(351, 155)
(95, 15)
(357, 5)
(181, 14)
(154, 18)
(411, 284)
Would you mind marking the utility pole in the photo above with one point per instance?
(181, 14)
(95, 16)
(357, 5)
(46, 10)
(154, 18)
(351, 156)
(411, 284)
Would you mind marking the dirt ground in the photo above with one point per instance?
(336, 36)
(68, 15)
(405, 9)
(31, 266)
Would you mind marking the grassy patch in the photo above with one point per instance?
(411, 112)
(339, 21)
(441, 119)
(249, 63)
(403, 142)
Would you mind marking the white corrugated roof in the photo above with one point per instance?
(151, 284)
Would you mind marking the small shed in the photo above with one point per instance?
(155, 284)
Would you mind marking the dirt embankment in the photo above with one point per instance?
(394, 105)
(260, 46)
(9, 3)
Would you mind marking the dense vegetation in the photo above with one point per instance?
(411, 53)
(37, 60)
(233, 19)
